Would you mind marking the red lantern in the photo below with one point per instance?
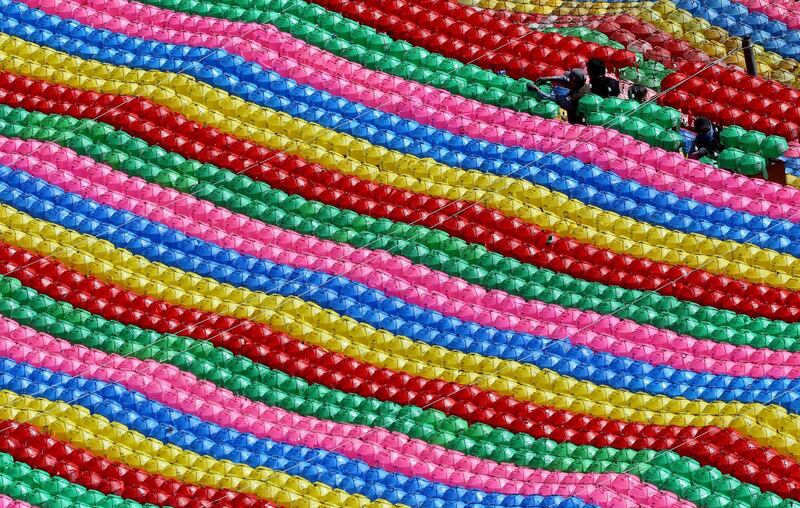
(659, 39)
(569, 44)
(608, 27)
(788, 130)
(767, 125)
(658, 54)
(620, 59)
(492, 40)
(675, 99)
(641, 30)
(626, 20)
(689, 67)
(726, 96)
(744, 99)
(540, 53)
(711, 110)
(603, 53)
(695, 55)
(749, 120)
(572, 61)
(623, 36)
(692, 84)
(761, 105)
(707, 90)
(731, 116)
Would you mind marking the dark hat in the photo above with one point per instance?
(576, 74)
(596, 67)
(702, 124)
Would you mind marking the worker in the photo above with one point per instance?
(707, 142)
(602, 85)
(637, 93)
(567, 91)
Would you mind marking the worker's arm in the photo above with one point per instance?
(698, 152)
(533, 88)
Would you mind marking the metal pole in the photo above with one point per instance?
(749, 55)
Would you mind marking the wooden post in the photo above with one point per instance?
(749, 55)
(776, 171)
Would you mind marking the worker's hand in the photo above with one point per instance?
(533, 88)
(698, 154)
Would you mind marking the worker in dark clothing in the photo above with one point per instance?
(637, 93)
(567, 91)
(602, 85)
(707, 142)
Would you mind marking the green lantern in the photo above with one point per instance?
(751, 141)
(729, 158)
(670, 140)
(752, 164)
(546, 109)
(600, 118)
(590, 103)
(611, 105)
(731, 136)
(668, 118)
(773, 147)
